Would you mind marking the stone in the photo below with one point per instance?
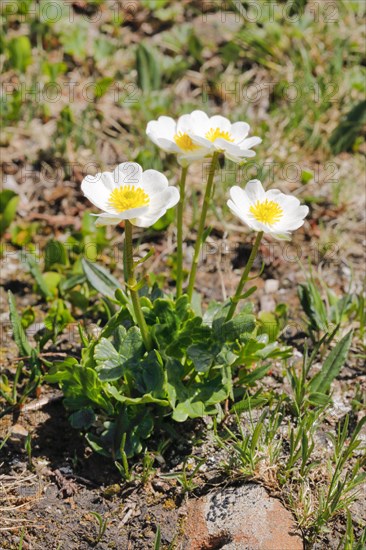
(271, 286)
(18, 433)
(267, 303)
(239, 518)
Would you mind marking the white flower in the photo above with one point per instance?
(128, 193)
(217, 133)
(270, 211)
(174, 137)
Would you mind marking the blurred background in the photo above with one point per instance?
(80, 81)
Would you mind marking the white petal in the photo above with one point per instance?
(152, 131)
(250, 142)
(293, 220)
(303, 210)
(222, 144)
(127, 214)
(295, 224)
(107, 179)
(235, 210)
(167, 145)
(187, 158)
(127, 173)
(157, 208)
(239, 131)
(153, 182)
(239, 197)
(200, 140)
(287, 202)
(232, 151)
(200, 123)
(148, 221)
(107, 220)
(95, 189)
(221, 122)
(184, 124)
(165, 199)
(165, 127)
(241, 214)
(235, 158)
(255, 191)
(171, 197)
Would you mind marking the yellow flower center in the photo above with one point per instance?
(184, 142)
(268, 212)
(127, 197)
(215, 133)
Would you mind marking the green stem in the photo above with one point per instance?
(239, 291)
(182, 185)
(132, 284)
(201, 227)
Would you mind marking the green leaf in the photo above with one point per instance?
(25, 349)
(249, 402)
(306, 176)
(202, 355)
(317, 399)
(313, 305)
(350, 128)
(165, 312)
(28, 317)
(157, 542)
(216, 316)
(78, 299)
(148, 69)
(101, 279)
(175, 387)
(102, 86)
(52, 280)
(36, 272)
(80, 385)
(189, 409)
(55, 253)
(113, 364)
(153, 375)
(249, 378)
(147, 398)
(165, 220)
(58, 317)
(8, 208)
(241, 324)
(70, 282)
(20, 53)
(83, 419)
(109, 361)
(268, 324)
(146, 257)
(97, 444)
(332, 365)
(199, 399)
(105, 354)
(131, 347)
(297, 7)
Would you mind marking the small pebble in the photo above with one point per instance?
(271, 286)
(267, 303)
(18, 433)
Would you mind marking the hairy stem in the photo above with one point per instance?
(182, 185)
(239, 291)
(201, 227)
(132, 284)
